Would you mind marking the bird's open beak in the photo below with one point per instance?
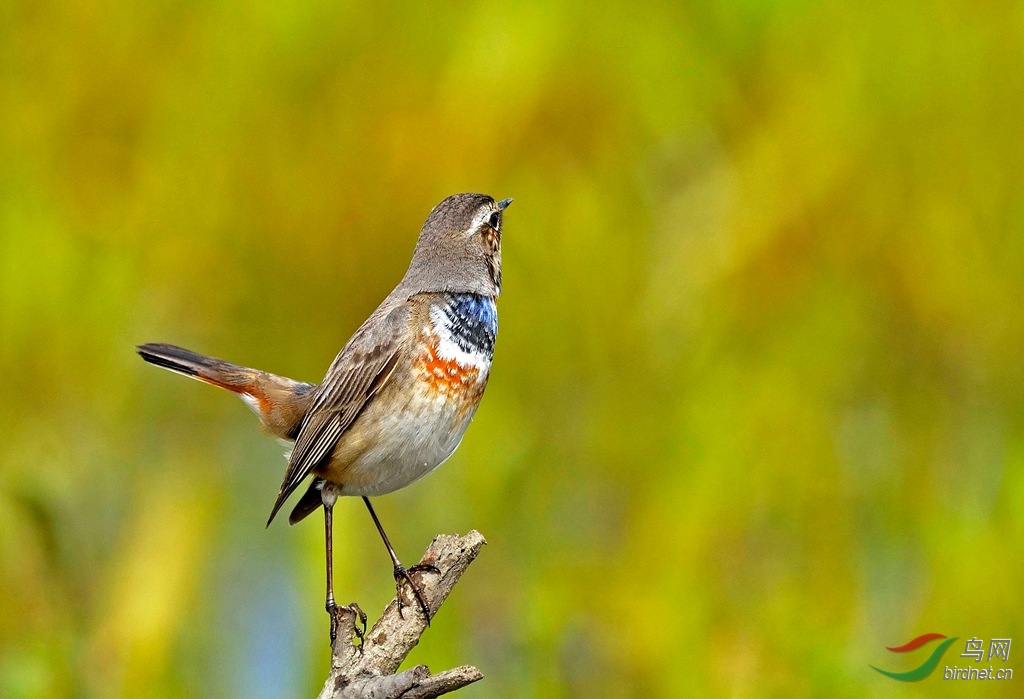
(503, 204)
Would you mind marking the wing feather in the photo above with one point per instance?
(358, 373)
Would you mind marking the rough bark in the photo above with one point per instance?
(368, 669)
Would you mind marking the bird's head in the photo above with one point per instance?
(459, 248)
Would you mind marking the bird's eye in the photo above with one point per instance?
(494, 220)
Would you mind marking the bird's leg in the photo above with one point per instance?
(401, 572)
(337, 613)
(332, 606)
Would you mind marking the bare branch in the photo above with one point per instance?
(368, 670)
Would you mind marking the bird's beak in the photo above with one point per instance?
(503, 204)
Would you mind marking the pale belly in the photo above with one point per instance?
(410, 429)
(411, 442)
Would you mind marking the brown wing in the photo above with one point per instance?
(359, 371)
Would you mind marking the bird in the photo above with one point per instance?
(399, 396)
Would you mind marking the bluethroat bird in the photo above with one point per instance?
(399, 396)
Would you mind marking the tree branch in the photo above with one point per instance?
(368, 670)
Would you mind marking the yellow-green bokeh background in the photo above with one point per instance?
(757, 408)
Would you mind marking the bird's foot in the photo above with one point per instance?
(403, 573)
(339, 614)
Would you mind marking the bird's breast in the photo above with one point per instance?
(457, 345)
(418, 420)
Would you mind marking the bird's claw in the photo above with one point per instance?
(339, 613)
(403, 573)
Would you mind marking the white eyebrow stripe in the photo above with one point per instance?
(481, 218)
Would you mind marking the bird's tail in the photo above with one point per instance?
(280, 402)
(237, 379)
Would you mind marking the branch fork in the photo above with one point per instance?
(368, 669)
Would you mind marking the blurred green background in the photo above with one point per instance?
(757, 409)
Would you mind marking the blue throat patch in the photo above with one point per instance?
(473, 320)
